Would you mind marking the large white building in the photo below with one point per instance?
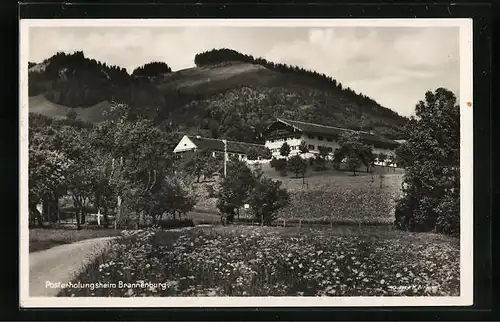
(217, 147)
(316, 135)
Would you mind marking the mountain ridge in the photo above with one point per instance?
(231, 98)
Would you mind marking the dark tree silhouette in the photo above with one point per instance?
(152, 69)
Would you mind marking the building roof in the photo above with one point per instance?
(331, 130)
(218, 145)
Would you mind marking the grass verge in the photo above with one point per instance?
(45, 238)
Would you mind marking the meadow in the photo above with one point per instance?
(276, 261)
(330, 197)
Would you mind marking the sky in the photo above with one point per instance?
(393, 65)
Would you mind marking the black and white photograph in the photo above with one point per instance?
(246, 162)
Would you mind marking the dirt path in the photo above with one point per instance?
(61, 264)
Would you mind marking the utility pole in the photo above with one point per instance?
(225, 156)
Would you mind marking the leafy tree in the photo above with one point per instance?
(303, 148)
(404, 156)
(48, 171)
(234, 189)
(252, 154)
(297, 165)
(266, 198)
(170, 195)
(141, 156)
(367, 157)
(285, 150)
(353, 161)
(321, 159)
(202, 164)
(266, 154)
(104, 194)
(351, 148)
(431, 186)
(338, 156)
(59, 152)
(82, 175)
(355, 151)
(382, 157)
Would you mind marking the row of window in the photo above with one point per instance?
(320, 138)
(229, 154)
(285, 139)
(296, 147)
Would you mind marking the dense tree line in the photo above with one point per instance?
(152, 69)
(217, 56)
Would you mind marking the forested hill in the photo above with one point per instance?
(227, 94)
(217, 56)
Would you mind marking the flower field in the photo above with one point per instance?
(276, 261)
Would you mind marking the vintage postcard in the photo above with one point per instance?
(246, 163)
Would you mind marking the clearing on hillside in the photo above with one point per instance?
(40, 105)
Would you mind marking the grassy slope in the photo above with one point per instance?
(40, 105)
(45, 238)
(213, 79)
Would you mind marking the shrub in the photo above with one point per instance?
(319, 164)
(279, 165)
(273, 162)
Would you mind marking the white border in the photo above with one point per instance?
(466, 163)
